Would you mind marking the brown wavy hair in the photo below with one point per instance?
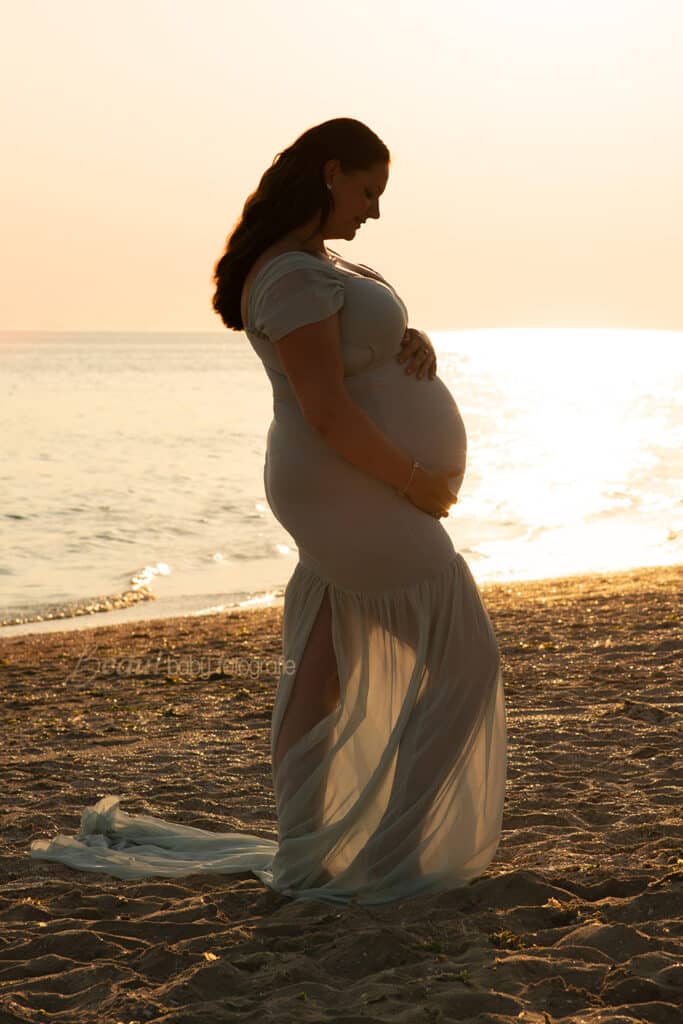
(289, 194)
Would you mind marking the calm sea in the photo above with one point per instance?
(132, 469)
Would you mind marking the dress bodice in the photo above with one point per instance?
(372, 315)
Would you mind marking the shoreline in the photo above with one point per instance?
(142, 610)
(145, 611)
(580, 912)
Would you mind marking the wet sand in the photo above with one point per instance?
(579, 917)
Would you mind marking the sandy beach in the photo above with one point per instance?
(579, 917)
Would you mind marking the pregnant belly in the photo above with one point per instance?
(350, 527)
(419, 416)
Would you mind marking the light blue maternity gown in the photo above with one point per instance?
(399, 790)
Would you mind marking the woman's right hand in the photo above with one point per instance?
(430, 491)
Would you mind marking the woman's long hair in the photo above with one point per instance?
(289, 194)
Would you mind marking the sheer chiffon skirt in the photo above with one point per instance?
(398, 791)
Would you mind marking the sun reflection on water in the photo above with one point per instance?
(574, 454)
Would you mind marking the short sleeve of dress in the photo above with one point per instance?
(294, 296)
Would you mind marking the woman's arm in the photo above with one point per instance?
(312, 360)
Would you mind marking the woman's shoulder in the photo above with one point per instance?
(274, 254)
(274, 262)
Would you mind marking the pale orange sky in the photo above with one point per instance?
(537, 153)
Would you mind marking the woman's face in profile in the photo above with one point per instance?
(356, 197)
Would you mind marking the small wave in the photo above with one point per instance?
(237, 602)
(145, 576)
(86, 606)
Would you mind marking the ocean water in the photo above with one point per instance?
(131, 480)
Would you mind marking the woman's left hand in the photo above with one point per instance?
(416, 346)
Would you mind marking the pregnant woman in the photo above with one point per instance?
(388, 737)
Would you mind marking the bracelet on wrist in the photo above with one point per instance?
(410, 478)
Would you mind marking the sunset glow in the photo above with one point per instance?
(536, 158)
